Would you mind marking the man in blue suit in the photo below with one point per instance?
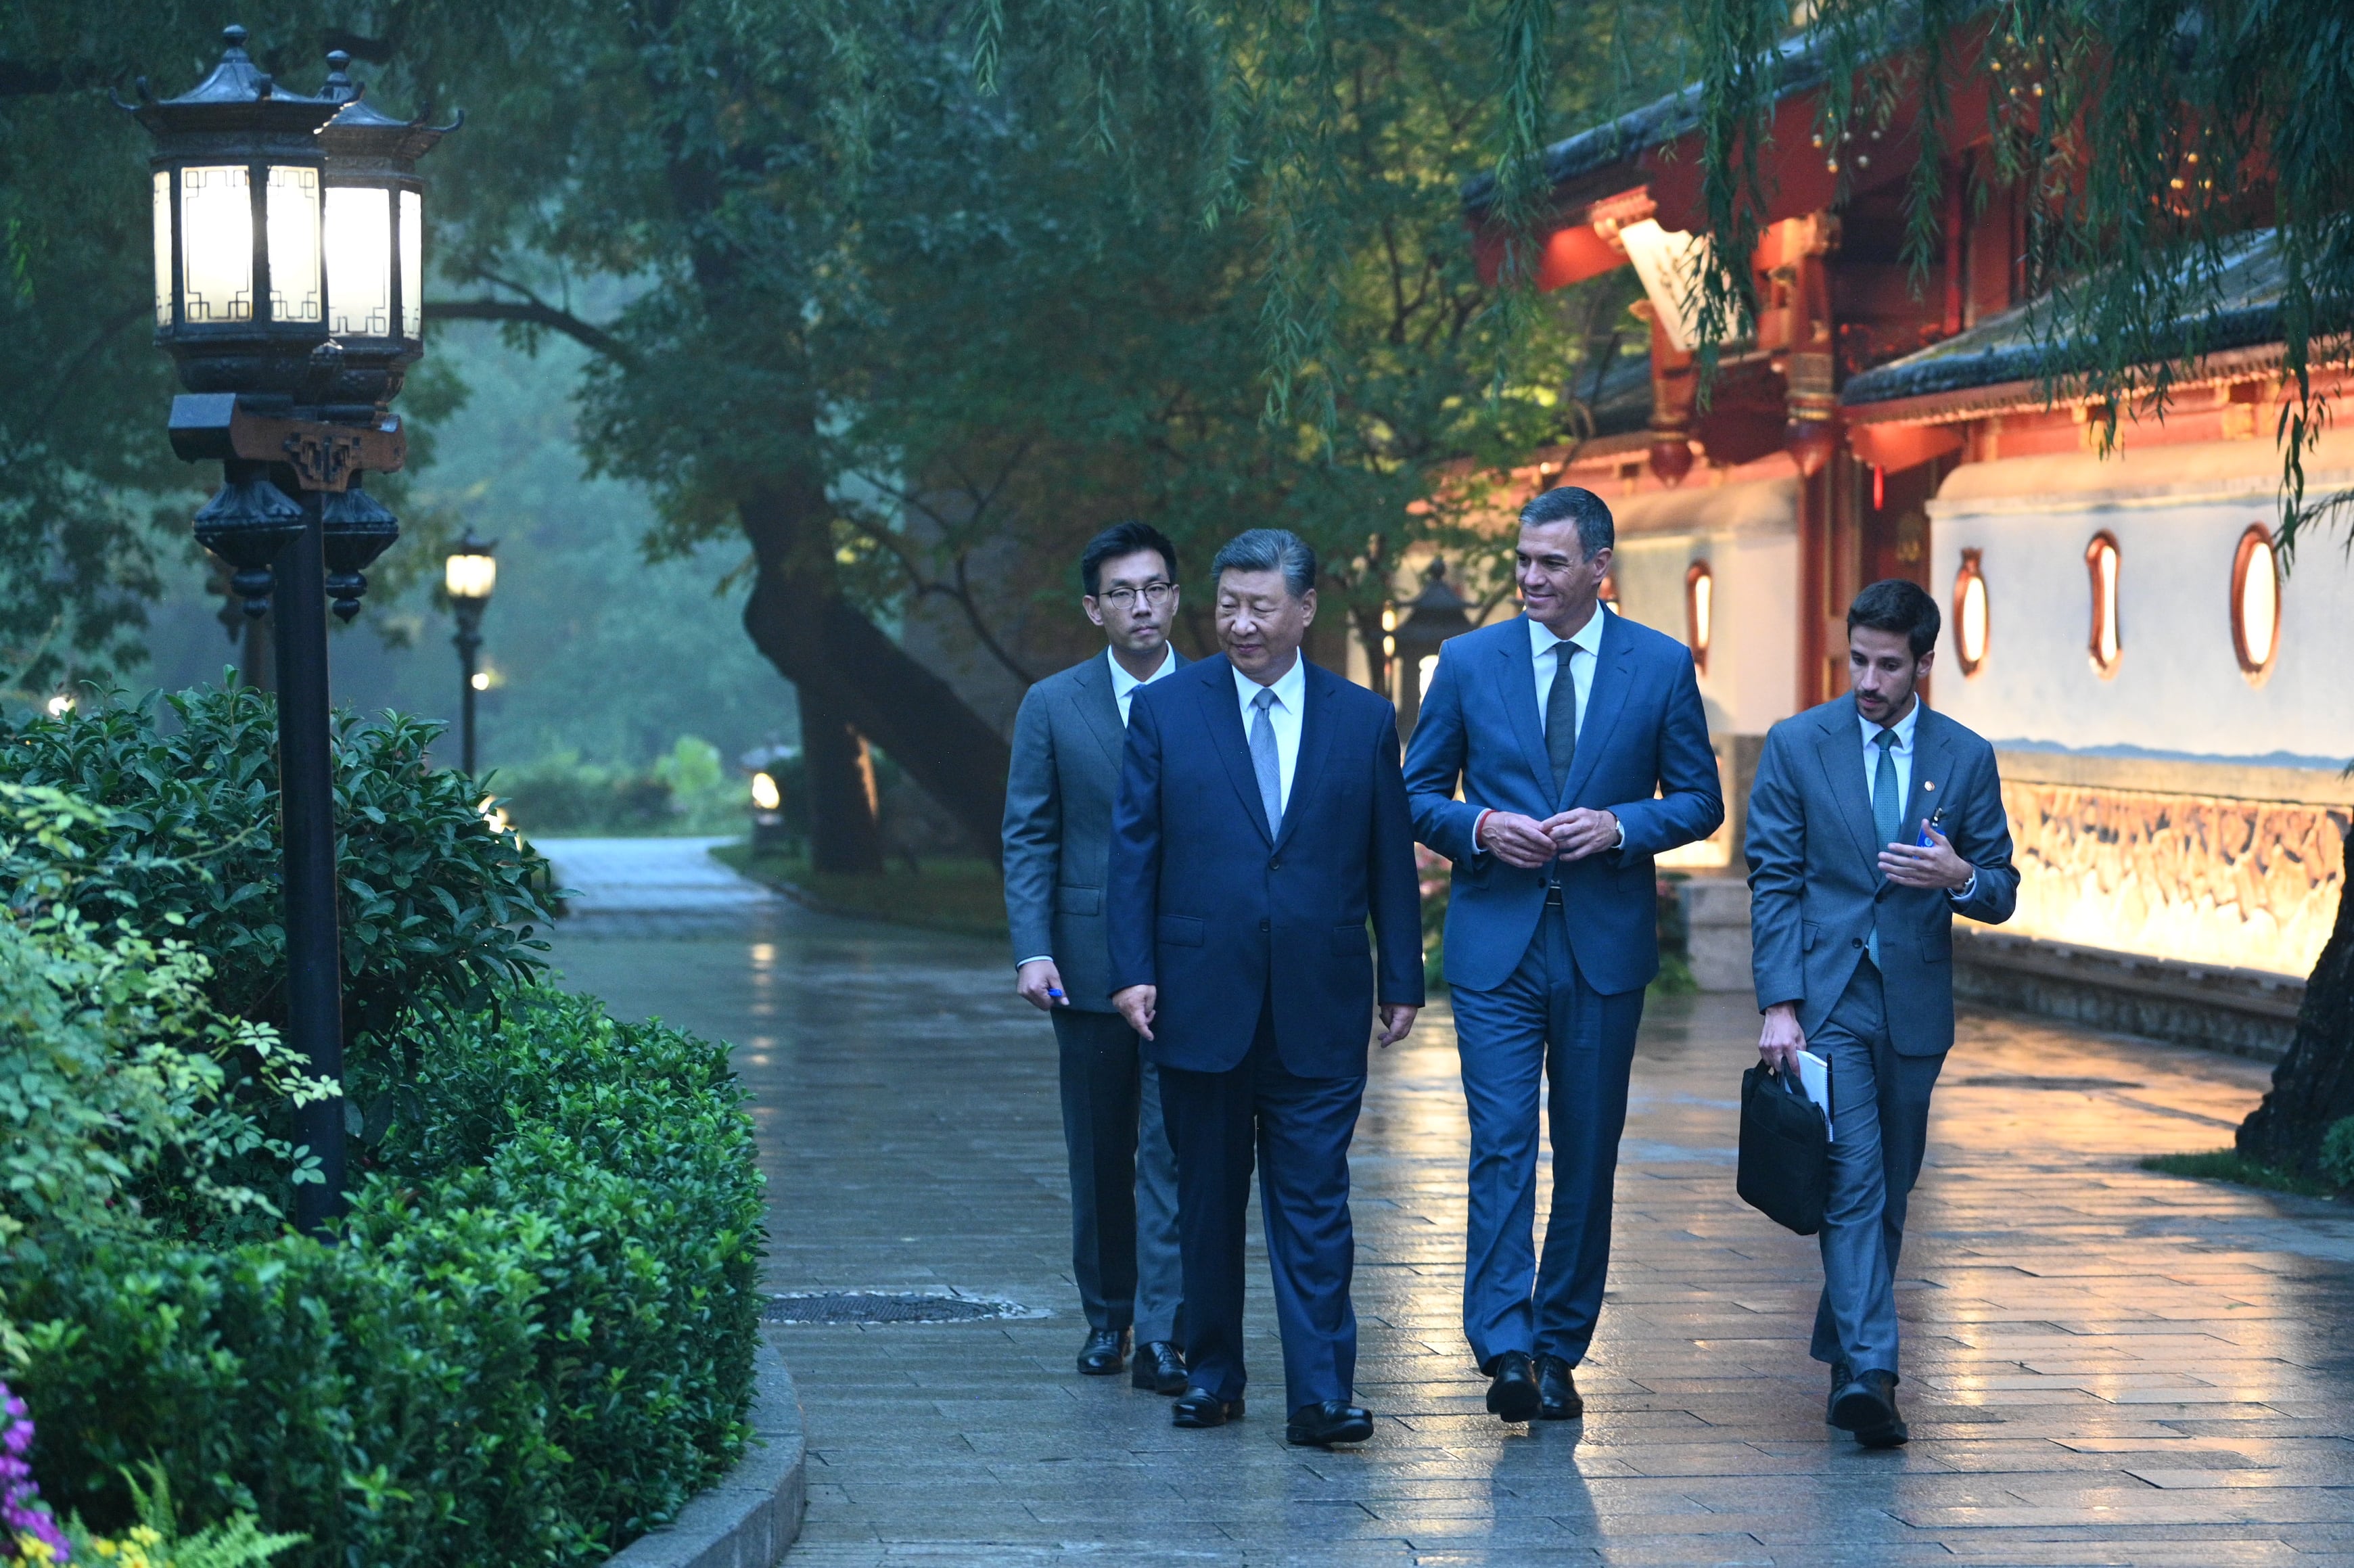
(1261, 821)
(1582, 751)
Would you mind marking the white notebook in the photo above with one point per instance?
(1815, 1078)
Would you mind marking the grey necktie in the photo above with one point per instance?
(1561, 719)
(1264, 761)
(1887, 813)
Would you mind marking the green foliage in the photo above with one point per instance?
(532, 1341)
(125, 1098)
(687, 790)
(156, 1542)
(436, 906)
(2151, 136)
(2337, 1151)
(2230, 1165)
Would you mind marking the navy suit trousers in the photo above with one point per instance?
(1299, 1132)
(1543, 1020)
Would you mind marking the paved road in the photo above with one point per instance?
(2106, 1366)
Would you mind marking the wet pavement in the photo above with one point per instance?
(2104, 1365)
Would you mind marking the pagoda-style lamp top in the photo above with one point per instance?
(376, 227)
(471, 571)
(237, 171)
(1438, 613)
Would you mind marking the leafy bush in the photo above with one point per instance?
(689, 789)
(532, 1342)
(435, 905)
(2337, 1153)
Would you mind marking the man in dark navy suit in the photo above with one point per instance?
(1262, 820)
(1581, 750)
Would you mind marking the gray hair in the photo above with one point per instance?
(1568, 503)
(1269, 550)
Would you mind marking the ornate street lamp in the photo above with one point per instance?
(467, 575)
(261, 226)
(1438, 613)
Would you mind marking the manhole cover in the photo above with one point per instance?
(2028, 1081)
(875, 1307)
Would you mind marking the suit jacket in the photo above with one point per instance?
(1814, 870)
(1642, 754)
(1214, 905)
(1067, 744)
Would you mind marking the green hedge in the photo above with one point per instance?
(532, 1342)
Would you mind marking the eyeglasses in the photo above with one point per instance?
(1154, 594)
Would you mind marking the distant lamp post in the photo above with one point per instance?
(1438, 613)
(469, 575)
(257, 263)
(767, 812)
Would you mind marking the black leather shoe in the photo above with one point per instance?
(1105, 1352)
(1557, 1396)
(1200, 1407)
(1159, 1369)
(1334, 1421)
(1867, 1407)
(1842, 1374)
(1513, 1394)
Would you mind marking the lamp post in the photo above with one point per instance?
(1438, 613)
(469, 575)
(263, 251)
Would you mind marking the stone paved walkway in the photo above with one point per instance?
(2106, 1366)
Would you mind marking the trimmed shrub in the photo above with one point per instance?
(436, 906)
(531, 1343)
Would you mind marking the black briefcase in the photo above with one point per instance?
(1786, 1152)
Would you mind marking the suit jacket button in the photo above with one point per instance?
(1857, 942)
(1262, 925)
(1275, 865)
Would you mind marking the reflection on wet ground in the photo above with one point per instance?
(2104, 1365)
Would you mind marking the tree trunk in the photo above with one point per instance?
(826, 648)
(2313, 1085)
(844, 839)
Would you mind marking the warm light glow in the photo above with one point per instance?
(412, 264)
(765, 793)
(494, 814)
(1973, 615)
(1424, 669)
(216, 244)
(469, 576)
(292, 209)
(1389, 646)
(1389, 618)
(1700, 610)
(2255, 602)
(359, 261)
(60, 705)
(479, 680)
(2106, 642)
(163, 249)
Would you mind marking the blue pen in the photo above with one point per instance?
(1055, 994)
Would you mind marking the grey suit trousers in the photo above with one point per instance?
(1879, 1130)
(1123, 1179)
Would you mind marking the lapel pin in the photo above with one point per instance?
(1927, 784)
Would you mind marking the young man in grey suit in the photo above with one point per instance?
(1872, 823)
(1069, 741)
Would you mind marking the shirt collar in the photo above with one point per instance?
(1289, 689)
(1904, 727)
(1589, 636)
(1122, 683)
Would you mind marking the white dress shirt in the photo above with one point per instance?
(1123, 684)
(1907, 833)
(1290, 699)
(1547, 652)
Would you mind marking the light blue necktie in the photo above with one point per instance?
(1263, 762)
(1887, 814)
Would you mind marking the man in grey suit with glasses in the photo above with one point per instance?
(1068, 742)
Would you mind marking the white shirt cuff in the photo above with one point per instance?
(1962, 894)
(1040, 959)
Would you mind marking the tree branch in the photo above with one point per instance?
(533, 312)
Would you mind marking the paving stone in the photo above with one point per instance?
(2104, 1365)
